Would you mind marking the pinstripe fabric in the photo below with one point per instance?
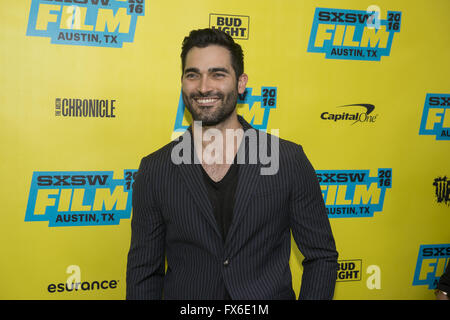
(173, 219)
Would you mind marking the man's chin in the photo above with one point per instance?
(211, 123)
(208, 122)
(210, 115)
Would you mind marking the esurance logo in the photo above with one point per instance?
(74, 283)
(364, 116)
(431, 264)
(353, 34)
(79, 198)
(255, 109)
(97, 23)
(354, 193)
(436, 116)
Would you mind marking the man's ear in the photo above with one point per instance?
(242, 83)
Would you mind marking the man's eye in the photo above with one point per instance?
(190, 75)
(218, 75)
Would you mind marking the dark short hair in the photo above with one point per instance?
(204, 37)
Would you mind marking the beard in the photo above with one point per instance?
(211, 115)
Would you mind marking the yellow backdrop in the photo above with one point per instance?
(90, 87)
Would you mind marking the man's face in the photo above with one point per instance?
(209, 86)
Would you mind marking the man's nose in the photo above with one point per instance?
(204, 85)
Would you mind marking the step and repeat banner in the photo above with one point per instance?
(89, 87)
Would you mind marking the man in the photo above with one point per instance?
(221, 220)
(443, 287)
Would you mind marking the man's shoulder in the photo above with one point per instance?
(287, 147)
(289, 154)
(290, 146)
(292, 152)
(158, 157)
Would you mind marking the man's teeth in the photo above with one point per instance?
(206, 100)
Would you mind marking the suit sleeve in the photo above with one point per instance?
(146, 257)
(312, 231)
(444, 281)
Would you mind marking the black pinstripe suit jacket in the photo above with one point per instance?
(173, 219)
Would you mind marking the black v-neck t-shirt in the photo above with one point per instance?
(222, 196)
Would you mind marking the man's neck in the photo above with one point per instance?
(218, 144)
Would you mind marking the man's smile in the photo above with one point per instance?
(206, 101)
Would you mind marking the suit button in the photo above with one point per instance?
(226, 262)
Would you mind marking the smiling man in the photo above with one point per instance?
(211, 86)
(215, 225)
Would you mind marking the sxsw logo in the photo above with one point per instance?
(98, 23)
(235, 26)
(79, 198)
(431, 264)
(436, 116)
(353, 34)
(254, 108)
(354, 193)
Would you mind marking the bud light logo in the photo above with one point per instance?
(236, 26)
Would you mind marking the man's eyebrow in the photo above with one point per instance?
(196, 70)
(212, 70)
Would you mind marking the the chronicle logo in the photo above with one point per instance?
(255, 109)
(442, 190)
(431, 263)
(436, 116)
(235, 26)
(353, 34)
(354, 193)
(364, 116)
(86, 108)
(79, 198)
(98, 23)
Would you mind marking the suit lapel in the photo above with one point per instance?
(248, 179)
